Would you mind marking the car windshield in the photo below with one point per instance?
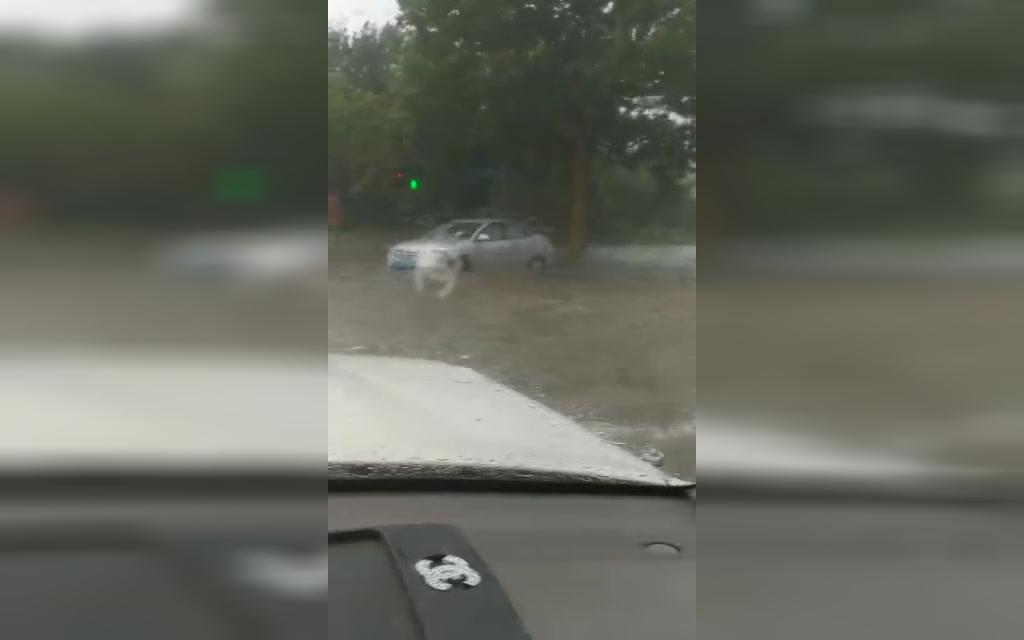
(562, 338)
(454, 231)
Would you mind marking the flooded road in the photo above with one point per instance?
(609, 344)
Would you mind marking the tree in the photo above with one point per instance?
(366, 60)
(570, 79)
(367, 126)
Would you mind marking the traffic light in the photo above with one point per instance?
(407, 179)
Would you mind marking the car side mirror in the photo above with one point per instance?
(483, 237)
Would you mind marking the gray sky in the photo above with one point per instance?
(353, 13)
(76, 18)
(73, 18)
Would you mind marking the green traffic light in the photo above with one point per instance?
(414, 184)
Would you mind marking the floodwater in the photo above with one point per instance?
(611, 344)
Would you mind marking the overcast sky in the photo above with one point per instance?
(353, 13)
(72, 18)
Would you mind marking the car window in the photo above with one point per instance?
(515, 231)
(494, 231)
(454, 230)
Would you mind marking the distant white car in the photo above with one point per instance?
(477, 242)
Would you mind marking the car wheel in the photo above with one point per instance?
(537, 263)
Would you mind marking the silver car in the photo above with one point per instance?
(478, 242)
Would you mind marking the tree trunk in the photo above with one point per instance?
(578, 212)
(334, 210)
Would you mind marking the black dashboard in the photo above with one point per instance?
(551, 565)
(144, 560)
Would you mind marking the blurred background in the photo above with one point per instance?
(148, 149)
(860, 448)
(162, 262)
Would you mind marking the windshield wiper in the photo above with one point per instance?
(462, 477)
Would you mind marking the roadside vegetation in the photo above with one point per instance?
(578, 113)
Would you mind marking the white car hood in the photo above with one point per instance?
(175, 412)
(394, 412)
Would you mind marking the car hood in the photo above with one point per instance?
(404, 413)
(174, 412)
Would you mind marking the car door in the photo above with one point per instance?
(492, 245)
(520, 245)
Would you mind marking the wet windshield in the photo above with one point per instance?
(574, 124)
(454, 231)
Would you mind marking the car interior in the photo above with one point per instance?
(552, 562)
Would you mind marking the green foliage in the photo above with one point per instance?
(367, 122)
(900, 119)
(490, 97)
(140, 129)
(633, 205)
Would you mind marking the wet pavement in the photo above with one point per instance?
(611, 343)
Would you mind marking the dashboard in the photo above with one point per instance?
(201, 561)
(548, 566)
